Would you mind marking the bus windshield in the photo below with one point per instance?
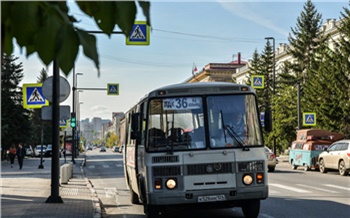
(180, 123)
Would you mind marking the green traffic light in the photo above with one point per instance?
(72, 122)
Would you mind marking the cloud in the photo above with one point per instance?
(253, 11)
(102, 111)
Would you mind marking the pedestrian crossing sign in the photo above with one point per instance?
(258, 82)
(140, 34)
(63, 123)
(309, 119)
(33, 96)
(113, 89)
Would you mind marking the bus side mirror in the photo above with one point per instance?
(135, 130)
(268, 120)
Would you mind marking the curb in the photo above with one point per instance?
(95, 201)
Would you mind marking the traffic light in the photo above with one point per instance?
(73, 120)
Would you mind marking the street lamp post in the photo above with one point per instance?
(274, 83)
(74, 88)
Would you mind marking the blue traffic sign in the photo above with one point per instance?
(113, 89)
(309, 119)
(258, 82)
(33, 96)
(140, 34)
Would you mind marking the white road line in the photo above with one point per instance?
(119, 165)
(289, 188)
(92, 166)
(335, 186)
(266, 216)
(316, 188)
(105, 166)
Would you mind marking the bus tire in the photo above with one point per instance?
(152, 211)
(251, 208)
(134, 198)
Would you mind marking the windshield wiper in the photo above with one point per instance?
(231, 132)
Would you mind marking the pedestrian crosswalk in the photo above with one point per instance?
(275, 188)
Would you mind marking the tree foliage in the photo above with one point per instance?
(46, 27)
(15, 125)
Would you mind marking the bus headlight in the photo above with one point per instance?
(171, 183)
(247, 179)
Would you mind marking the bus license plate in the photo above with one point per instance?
(211, 198)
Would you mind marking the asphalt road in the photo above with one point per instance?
(293, 193)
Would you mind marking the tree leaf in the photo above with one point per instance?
(68, 44)
(125, 16)
(145, 8)
(89, 46)
(25, 20)
(45, 41)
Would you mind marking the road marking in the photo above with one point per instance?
(320, 189)
(92, 166)
(266, 216)
(105, 166)
(110, 192)
(289, 188)
(16, 199)
(119, 165)
(335, 186)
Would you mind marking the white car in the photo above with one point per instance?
(337, 157)
(37, 150)
(271, 159)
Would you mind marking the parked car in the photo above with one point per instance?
(103, 149)
(29, 150)
(37, 150)
(336, 157)
(121, 148)
(115, 149)
(48, 151)
(271, 159)
(89, 147)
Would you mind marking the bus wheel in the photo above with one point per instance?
(294, 167)
(151, 211)
(134, 197)
(251, 208)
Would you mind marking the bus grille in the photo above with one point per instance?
(209, 168)
(165, 159)
(167, 171)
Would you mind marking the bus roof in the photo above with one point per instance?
(200, 88)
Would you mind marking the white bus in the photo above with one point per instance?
(196, 144)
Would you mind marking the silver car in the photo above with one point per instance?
(337, 157)
(271, 160)
(37, 150)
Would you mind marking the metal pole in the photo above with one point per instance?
(73, 128)
(55, 165)
(298, 106)
(41, 166)
(273, 87)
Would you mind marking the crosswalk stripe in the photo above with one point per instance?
(289, 188)
(105, 166)
(92, 166)
(316, 188)
(335, 186)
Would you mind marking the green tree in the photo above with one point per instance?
(15, 125)
(46, 27)
(111, 139)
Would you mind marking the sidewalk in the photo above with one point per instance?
(24, 192)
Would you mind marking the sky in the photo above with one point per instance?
(183, 34)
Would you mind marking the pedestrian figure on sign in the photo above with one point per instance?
(138, 33)
(21, 152)
(36, 96)
(12, 154)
